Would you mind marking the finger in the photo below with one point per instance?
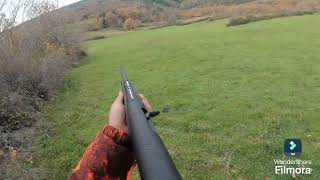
(119, 99)
(146, 103)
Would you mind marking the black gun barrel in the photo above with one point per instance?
(154, 161)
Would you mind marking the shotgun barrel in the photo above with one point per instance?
(154, 161)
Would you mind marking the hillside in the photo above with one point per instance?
(95, 7)
(229, 96)
(94, 15)
(84, 4)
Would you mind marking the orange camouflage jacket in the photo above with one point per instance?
(107, 158)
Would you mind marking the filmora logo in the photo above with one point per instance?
(292, 147)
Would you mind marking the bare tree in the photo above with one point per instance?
(25, 7)
(39, 7)
(9, 13)
(13, 14)
(2, 4)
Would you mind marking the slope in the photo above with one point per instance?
(229, 96)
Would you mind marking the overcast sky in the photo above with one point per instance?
(20, 18)
(67, 2)
(61, 2)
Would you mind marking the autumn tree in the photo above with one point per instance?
(129, 24)
(112, 20)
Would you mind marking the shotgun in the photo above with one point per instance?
(154, 161)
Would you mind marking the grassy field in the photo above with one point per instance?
(230, 96)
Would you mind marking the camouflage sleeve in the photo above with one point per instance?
(108, 157)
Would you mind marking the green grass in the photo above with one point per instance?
(232, 93)
(105, 32)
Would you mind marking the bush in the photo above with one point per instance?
(129, 24)
(234, 21)
(172, 19)
(112, 20)
(13, 113)
(92, 27)
(95, 38)
(240, 20)
(33, 62)
(100, 23)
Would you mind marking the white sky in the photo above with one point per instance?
(61, 2)
(20, 18)
(67, 2)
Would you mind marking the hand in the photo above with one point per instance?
(117, 115)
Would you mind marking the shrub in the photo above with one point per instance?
(240, 20)
(112, 20)
(95, 38)
(92, 27)
(13, 114)
(129, 24)
(33, 62)
(172, 19)
(100, 23)
(234, 21)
